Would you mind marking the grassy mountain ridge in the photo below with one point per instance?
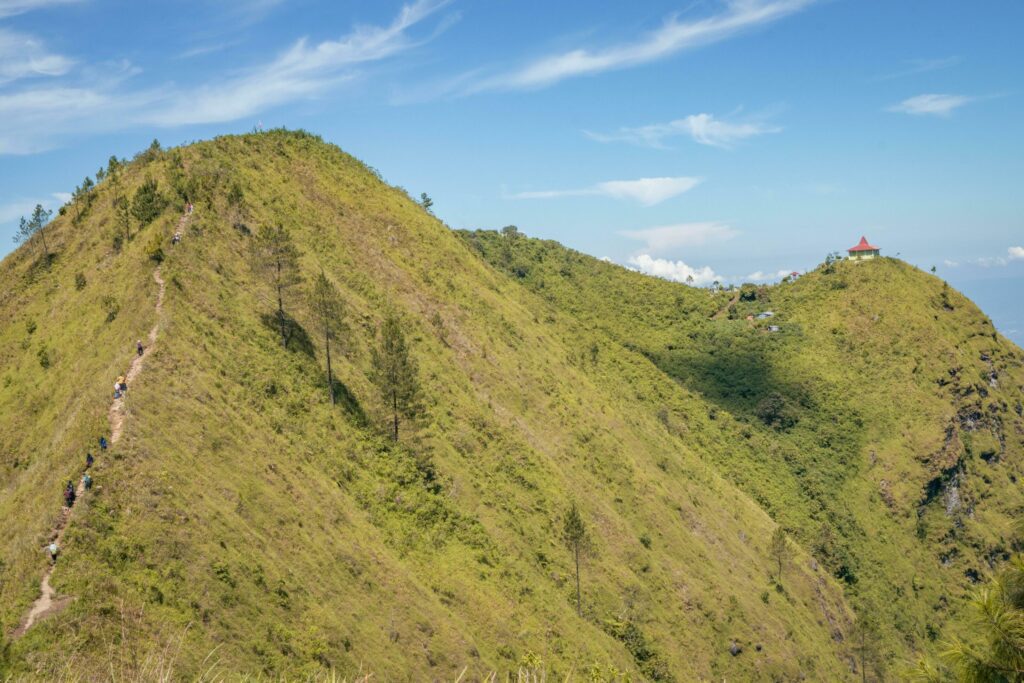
(244, 516)
(881, 423)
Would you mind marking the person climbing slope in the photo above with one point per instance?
(86, 481)
(53, 550)
(69, 494)
(89, 460)
(139, 348)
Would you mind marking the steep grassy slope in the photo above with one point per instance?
(245, 523)
(881, 423)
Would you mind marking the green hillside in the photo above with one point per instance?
(245, 524)
(881, 422)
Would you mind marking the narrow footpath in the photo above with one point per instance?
(725, 309)
(48, 603)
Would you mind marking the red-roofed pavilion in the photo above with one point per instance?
(863, 251)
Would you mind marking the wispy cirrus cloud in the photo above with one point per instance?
(919, 66)
(24, 56)
(36, 117)
(645, 191)
(301, 71)
(704, 129)
(9, 8)
(666, 238)
(674, 36)
(931, 104)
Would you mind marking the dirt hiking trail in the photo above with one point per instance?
(48, 603)
(725, 309)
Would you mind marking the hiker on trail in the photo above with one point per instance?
(103, 443)
(53, 550)
(176, 238)
(69, 494)
(121, 384)
(139, 349)
(89, 460)
(117, 390)
(86, 481)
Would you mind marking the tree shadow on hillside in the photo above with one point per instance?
(298, 338)
(739, 379)
(348, 401)
(40, 265)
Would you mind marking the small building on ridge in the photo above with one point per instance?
(863, 251)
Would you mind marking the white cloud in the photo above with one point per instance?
(931, 104)
(668, 237)
(22, 208)
(35, 118)
(12, 211)
(759, 276)
(673, 37)
(677, 271)
(951, 264)
(9, 8)
(1012, 254)
(646, 191)
(703, 128)
(22, 56)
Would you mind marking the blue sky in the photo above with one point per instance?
(727, 140)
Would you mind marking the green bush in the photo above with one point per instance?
(111, 307)
(774, 411)
(155, 248)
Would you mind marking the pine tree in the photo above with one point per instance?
(866, 642)
(35, 225)
(147, 202)
(329, 311)
(395, 373)
(778, 548)
(236, 204)
(577, 540)
(122, 207)
(276, 260)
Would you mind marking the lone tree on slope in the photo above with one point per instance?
(276, 260)
(35, 225)
(395, 373)
(778, 548)
(329, 311)
(577, 540)
(866, 643)
(119, 202)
